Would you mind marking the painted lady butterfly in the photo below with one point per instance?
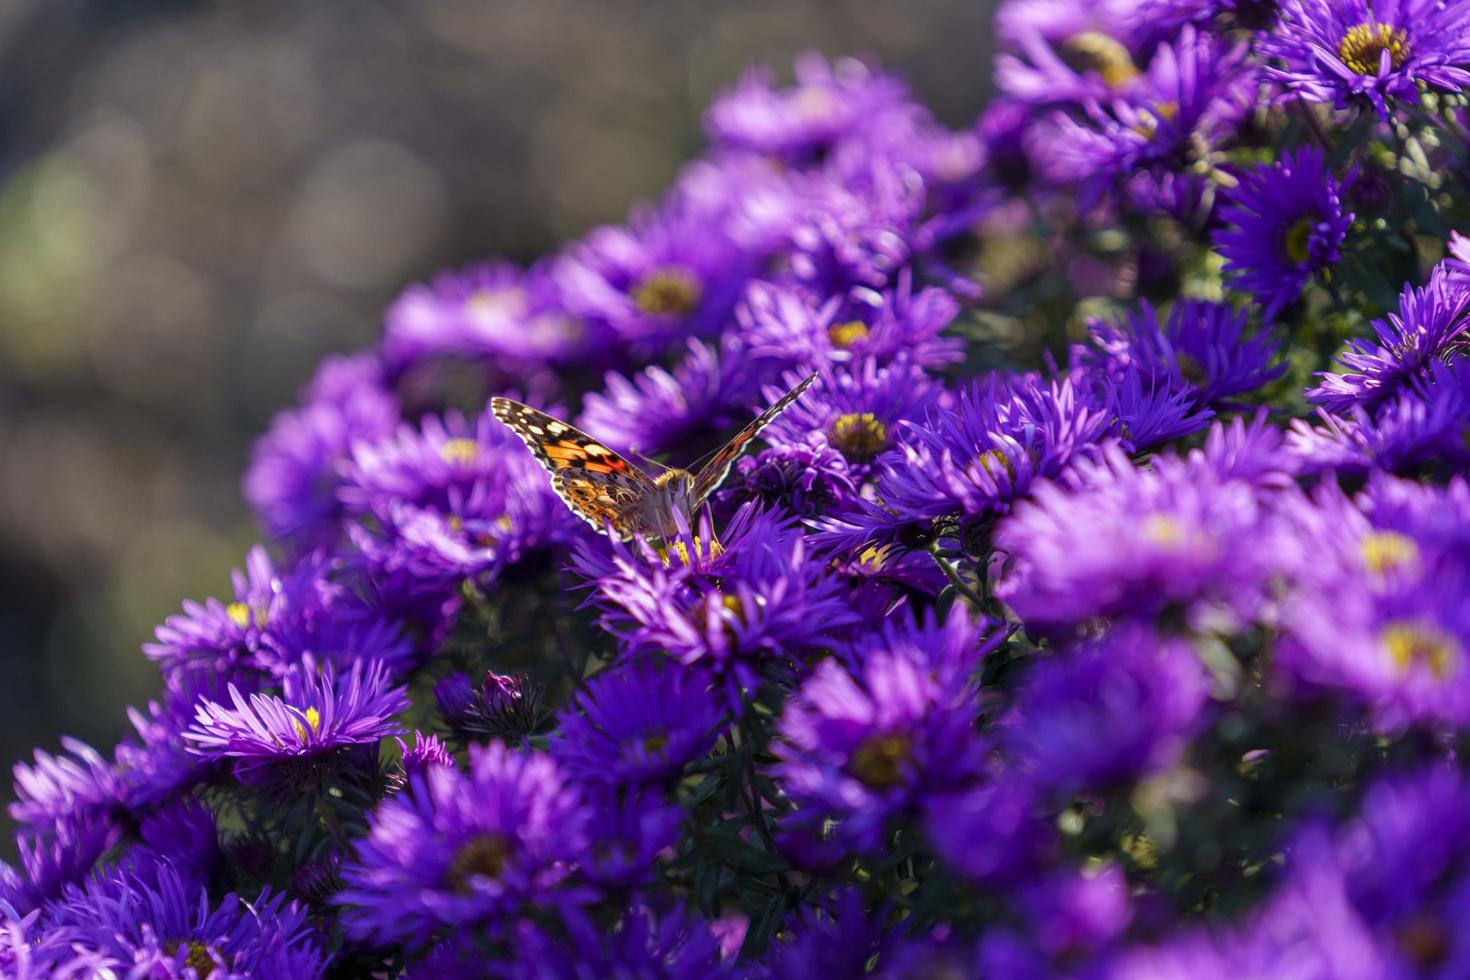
(605, 489)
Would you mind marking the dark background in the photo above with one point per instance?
(199, 200)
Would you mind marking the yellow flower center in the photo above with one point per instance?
(1192, 371)
(1163, 530)
(459, 451)
(993, 462)
(668, 291)
(682, 550)
(1297, 238)
(1420, 643)
(197, 958)
(859, 435)
(1362, 48)
(1385, 551)
(489, 305)
(875, 557)
(878, 762)
(484, 855)
(1102, 53)
(655, 742)
(314, 719)
(239, 614)
(844, 335)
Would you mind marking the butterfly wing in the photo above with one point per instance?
(596, 483)
(713, 473)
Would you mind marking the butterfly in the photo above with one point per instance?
(606, 490)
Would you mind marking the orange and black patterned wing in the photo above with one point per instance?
(713, 473)
(595, 482)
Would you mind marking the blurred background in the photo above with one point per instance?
(199, 200)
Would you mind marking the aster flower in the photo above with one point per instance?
(1073, 56)
(736, 609)
(828, 102)
(1374, 50)
(492, 312)
(275, 617)
(1201, 349)
(993, 831)
(633, 829)
(988, 450)
(1079, 912)
(643, 943)
(862, 745)
(170, 928)
(453, 498)
(181, 837)
(1419, 429)
(1426, 328)
(637, 726)
(56, 787)
(709, 391)
(653, 283)
(791, 326)
(1167, 122)
(465, 850)
(1126, 541)
(857, 410)
(1286, 223)
(1375, 613)
(801, 477)
(292, 479)
(1107, 713)
(317, 713)
(425, 752)
(53, 858)
(840, 939)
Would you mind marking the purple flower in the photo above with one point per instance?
(56, 787)
(510, 707)
(1167, 121)
(318, 712)
(465, 850)
(492, 312)
(993, 832)
(803, 477)
(637, 726)
(978, 456)
(1079, 912)
(675, 945)
(1420, 428)
(857, 410)
(653, 283)
(449, 500)
(426, 752)
(53, 858)
(838, 939)
(1286, 225)
(1108, 712)
(1125, 541)
(276, 617)
(1375, 612)
(735, 609)
(797, 329)
(862, 744)
(170, 928)
(707, 393)
(632, 829)
(1375, 50)
(1426, 328)
(292, 479)
(828, 103)
(1202, 349)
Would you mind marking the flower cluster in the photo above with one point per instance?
(1099, 606)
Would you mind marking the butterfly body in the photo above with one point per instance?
(606, 490)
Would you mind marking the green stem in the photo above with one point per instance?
(950, 572)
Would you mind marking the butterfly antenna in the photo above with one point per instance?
(633, 451)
